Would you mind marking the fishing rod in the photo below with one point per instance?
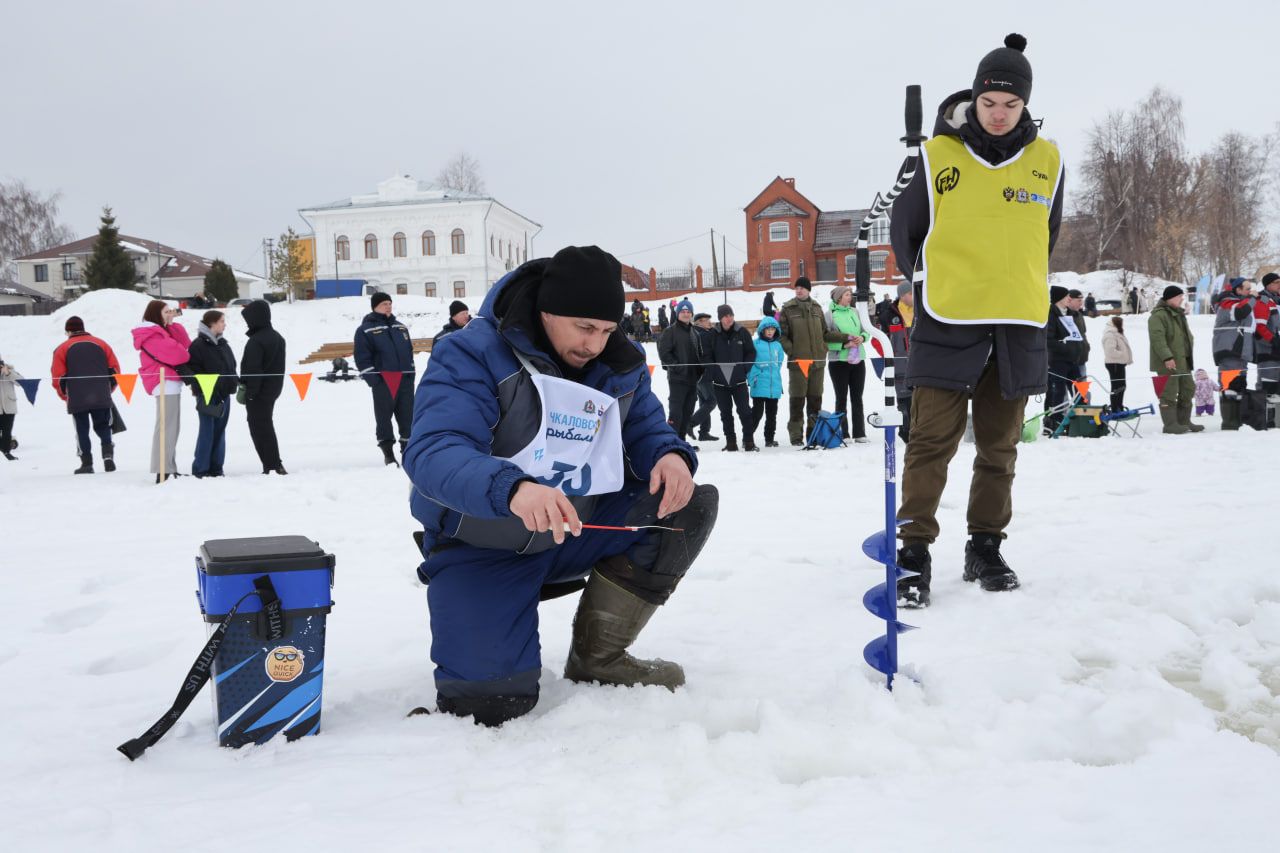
(882, 600)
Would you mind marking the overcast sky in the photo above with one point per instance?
(206, 126)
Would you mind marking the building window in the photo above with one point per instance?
(42, 272)
(402, 290)
(850, 266)
(459, 242)
(802, 267)
(878, 261)
(428, 243)
(459, 289)
(68, 271)
(370, 247)
(431, 288)
(492, 251)
(779, 232)
(800, 236)
(342, 249)
(879, 232)
(399, 246)
(759, 232)
(780, 270)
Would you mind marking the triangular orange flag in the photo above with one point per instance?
(1082, 388)
(1227, 377)
(301, 381)
(125, 382)
(1160, 382)
(392, 378)
(804, 365)
(650, 366)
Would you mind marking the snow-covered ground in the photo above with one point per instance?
(1125, 698)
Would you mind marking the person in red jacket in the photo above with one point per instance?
(83, 371)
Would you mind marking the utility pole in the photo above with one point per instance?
(267, 244)
(715, 267)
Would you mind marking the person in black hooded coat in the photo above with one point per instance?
(262, 379)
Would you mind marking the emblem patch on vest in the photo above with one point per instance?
(947, 179)
(1008, 193)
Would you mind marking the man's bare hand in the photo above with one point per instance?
(544, 509)
(671, 473)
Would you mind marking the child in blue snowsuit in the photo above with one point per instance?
(765, 379)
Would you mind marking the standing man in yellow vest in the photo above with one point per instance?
(976, 224)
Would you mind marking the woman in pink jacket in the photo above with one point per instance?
(162, 343)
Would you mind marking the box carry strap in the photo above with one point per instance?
(271, 625)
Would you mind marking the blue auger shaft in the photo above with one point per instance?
(889, 418)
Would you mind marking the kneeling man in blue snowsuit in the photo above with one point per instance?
(536, 418)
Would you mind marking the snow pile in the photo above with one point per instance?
(1125, 698)
(1111, 284)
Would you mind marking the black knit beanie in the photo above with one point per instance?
(1005, 70)
(1268, 278)
(582, 281)
(73, 324)
(1171, 291)
(377, 299)
(1057, 294)
(456, 307)
(723, 311)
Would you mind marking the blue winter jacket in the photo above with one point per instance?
(382, 343)
(765, 378)
(476, 406)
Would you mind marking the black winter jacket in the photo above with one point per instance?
(210, 356)
(264, 353)
(945, 355)
(733, 352)
(382, 343)
(1062, 351)
(680, 350)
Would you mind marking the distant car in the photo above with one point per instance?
(239, 303)
(1107, 306)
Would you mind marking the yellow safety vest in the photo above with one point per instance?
(986, 257)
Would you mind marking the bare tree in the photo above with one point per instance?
(462, 173)
(28, 223)
(1233, 228)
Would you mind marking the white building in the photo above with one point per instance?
(161, 270)
(411, 237)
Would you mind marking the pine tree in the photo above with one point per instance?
(220, 282)
(291, 272)
(110, 265)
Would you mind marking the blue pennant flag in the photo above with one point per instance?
(30, 386)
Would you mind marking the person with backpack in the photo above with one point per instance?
(210, 354)
(262, 380)
(847, 363)
(732, 355)
(83, 373)
(764, 381)
(975, 226)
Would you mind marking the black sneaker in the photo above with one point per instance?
(770, 443)
(913, 592)
(983, 563)
(706, 436)
(731, 444)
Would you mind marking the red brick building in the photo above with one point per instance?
(788, 237)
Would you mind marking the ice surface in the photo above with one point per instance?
(1125, 698)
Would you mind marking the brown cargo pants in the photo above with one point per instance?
(806, 394)
(938, 419)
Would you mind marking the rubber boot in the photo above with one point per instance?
(109, 457)
(814, 405)
(1169, 415)
(608, 621)
(730, 443)
(86, 464)
(388, 455)
(795, 426)
(1231, 413)
(1184, 418)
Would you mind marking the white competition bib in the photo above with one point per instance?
(579, 446)
(1069, 323)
